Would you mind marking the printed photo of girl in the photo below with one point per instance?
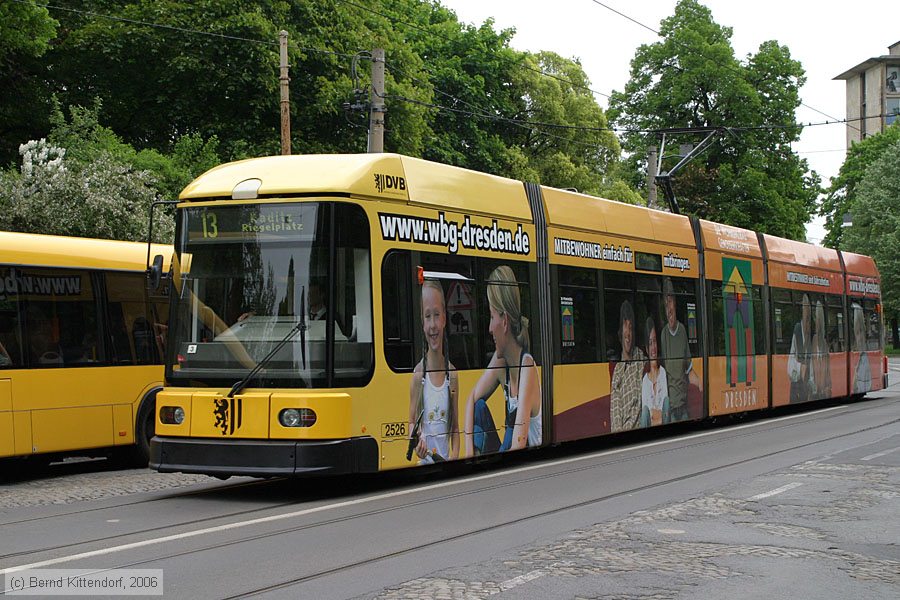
(434, 389)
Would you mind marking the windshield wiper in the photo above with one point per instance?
(300, 326)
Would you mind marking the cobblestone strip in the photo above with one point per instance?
(91, 486)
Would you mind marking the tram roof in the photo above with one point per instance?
(375, 176)
(860, 264)
(34, 249)
(573, 210)
(436, 186)
(729, 239)
(801, 253)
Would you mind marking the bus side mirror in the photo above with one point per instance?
(154, 273)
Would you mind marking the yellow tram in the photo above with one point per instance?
(356, 313)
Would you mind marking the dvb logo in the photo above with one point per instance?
(389, 182)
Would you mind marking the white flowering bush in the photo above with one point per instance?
(101, 198)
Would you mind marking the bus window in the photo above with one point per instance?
(130, 332)
(61, 320)
(10, 330)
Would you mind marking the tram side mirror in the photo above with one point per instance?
(154, 273)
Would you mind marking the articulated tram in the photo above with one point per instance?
(357, 313)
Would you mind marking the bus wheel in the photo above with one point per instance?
(138, 456)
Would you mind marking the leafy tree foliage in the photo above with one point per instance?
(101, 198)
(181, 86)
(83, 180)
(842, 194)
(579, 146)
(691, 79)
(25, 34)
(876, 223)
(84, 138)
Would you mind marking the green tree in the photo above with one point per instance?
(842, 194)
(576, 148)
(490, 101)
(25, 33)
(876, 223)
(166, 69)
(84, 138)
(691, 79)
(207, 71)
(101, 198)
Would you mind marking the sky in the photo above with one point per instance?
(826, 38)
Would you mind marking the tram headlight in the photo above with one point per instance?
(297, 417)
(171, 415)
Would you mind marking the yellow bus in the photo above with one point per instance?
(80, 352)
(356, 313)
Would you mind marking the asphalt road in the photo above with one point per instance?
(802, 505)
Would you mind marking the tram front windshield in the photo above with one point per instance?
(249, 277)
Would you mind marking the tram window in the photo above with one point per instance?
(759, 321)
(873, 325)
(716, 318)
(786, 316)
(817, 319)
(579, 303)
(10, 328)
(687, 314)
(61, 320)
(834, 318)
(352, 288)
(397, 302)
(615, 280)
(520, 272)
(619, 308)
(857, 327)
(646, 298)
(649, 284)
(458, 285)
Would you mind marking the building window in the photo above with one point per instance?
(893, 110)
(892, 80)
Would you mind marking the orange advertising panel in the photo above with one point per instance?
(867, 372)
(863, 287)
(799, 377)
(715, 271)
(730, 393)
(807, 279)
(455, 233)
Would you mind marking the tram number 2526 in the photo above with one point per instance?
(392, 430)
